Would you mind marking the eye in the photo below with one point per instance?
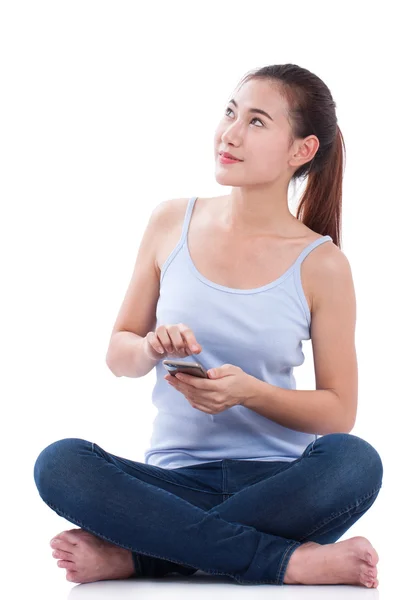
(254, 119)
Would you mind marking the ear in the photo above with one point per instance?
(305, 152)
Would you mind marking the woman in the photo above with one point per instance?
(245, 476)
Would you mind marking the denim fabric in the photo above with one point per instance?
(241, 519)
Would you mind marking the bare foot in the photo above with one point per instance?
(89, 558)
(345, 562)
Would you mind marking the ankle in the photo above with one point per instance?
(297, 561)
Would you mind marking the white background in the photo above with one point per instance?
(109, 108)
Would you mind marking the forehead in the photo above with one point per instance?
(261, 94)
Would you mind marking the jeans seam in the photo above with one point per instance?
(187, 487)
(216, 572)
(169, 559)
(281, 566)
(347, 509)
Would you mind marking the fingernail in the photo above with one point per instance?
(194, 347)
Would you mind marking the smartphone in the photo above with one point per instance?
(183, 366)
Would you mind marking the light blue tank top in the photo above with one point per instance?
(260, 330)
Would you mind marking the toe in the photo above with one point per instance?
(370, 572)
(62, 535)
(373, 572)
(63, 546)
(69, 536)
(368, 581)
(62, 555)
(54, 541)
(72, 576)
(62, 543)
(371, 556)
(65, 564)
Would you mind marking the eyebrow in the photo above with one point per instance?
(253, 110)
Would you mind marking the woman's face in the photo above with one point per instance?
(261, 143)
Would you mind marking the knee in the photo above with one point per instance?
(56, 462)
(356, 456)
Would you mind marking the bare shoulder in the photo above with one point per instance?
(170, 217)
(329, 258)
(168, 210)
(328, 270)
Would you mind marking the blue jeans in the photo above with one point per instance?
(243, 519)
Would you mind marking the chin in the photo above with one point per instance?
(225, 178)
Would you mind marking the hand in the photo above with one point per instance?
(229, 387)
(175, 341)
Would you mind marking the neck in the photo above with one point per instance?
(257, 213)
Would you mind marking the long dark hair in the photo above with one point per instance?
(312, 112)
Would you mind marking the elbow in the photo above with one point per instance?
(108, 361)
(350, 427)
(349, 423)
(348, 414)
(110, 365)
(345, 429)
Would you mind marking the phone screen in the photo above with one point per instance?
(180, 366)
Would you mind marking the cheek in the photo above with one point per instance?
(269, 160)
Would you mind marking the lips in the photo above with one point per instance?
(228, 155)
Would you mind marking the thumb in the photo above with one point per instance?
(218, 372)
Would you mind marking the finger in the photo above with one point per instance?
(177, 340)
(178, 386)
(201, 407)
(172, 340)
(185, 379)
(164, 339)
(155, 342)
(189, 338)
(200, 383)
(173, 383)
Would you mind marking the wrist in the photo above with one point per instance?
(149, 351)
(252, 391)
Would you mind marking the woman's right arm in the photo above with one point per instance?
(126, 354)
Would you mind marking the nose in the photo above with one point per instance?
(232, 134)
